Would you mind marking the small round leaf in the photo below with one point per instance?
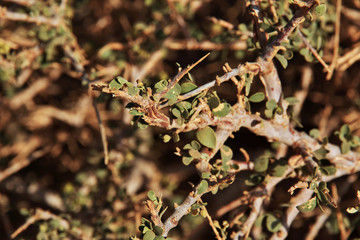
(273, 224)
(195, 154)
(117, 83)
(213, 102)
(282, 60)
(176, 112)
(261, 164)
(271, 104)
(187, 87)
(158, 230)
(206, 137)
(173, 92)
(307, 206)
(320, 9)
(226, 153)
(152, 196)
(222, 110)
(187, 160)
(203, 186)
(315, 133)
(279, 168)
(149, 235)
(257, 97)
(195, 145)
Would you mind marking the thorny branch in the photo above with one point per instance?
(277, 129)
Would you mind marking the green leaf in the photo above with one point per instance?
(213, 101)
(248, 82)
(215, 190)
(355, 142)
(175, 137)
(309, 57)
(271, 104)
(187, 160)
(279, 168)
(254, 179)
(166, 138)
(145, 221)
(133, 90)
(307, 206)
(319, 43)
(173, 92)
(328, 170)
(247, 104)
(206, 137)
(158, 230)
(149, 235)
(195, 145)
(288, 54)
(315, 133)
(222, 110)
(259, 220)
(320, 153)
(345, 130)
(144, 228)
(273, 224)
(161, 85)
(226, 153)
(203, 213)
(203, 186)
(205, 175)
(187, 87)
(194, 154)
(160, 238)
(345, 147)
(136, 112)
(322, 197)
(292, 100)
(322, 186)
(183, 105)
(304, 51)
(261, 164)
(282, 60)
(142, 124)
(176, 112)
(257, 97)
(188, 146)
(279, 110)
(320, 9)
(152, 196)
(269, 113)
(117, 83)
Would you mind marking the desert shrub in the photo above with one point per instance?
(179, 119)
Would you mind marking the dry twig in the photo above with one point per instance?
(336, 41)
